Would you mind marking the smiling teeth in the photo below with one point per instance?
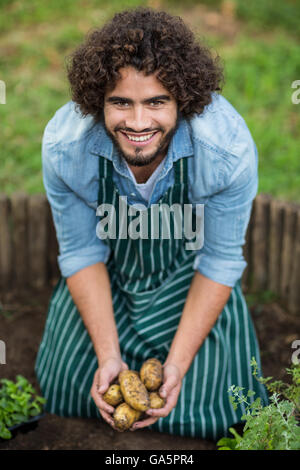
(140, 139)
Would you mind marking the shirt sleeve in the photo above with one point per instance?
(75, 222)
(227, 214)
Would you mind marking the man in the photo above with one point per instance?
(146, 129)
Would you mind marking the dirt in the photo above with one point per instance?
(22, 319)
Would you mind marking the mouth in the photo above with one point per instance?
(139, 140)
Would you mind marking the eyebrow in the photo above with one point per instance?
(113, 99)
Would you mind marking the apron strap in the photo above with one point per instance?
(181, 176)
(180, 168)
(105, 168)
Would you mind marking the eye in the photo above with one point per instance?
(156, 102)
(121, 103)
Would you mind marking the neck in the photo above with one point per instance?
(143, 173)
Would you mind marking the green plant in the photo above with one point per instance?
(273, 427)
(18, 403)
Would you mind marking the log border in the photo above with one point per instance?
(29, 248)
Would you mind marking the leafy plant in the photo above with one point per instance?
(18, 403)
(273, 427)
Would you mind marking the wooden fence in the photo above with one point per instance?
(28, 247)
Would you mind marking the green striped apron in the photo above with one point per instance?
(150, 279)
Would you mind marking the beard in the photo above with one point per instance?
(139, 158)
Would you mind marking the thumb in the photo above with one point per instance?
(170, 383)
(124, 366)
(104, 381)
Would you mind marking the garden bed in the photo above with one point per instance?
(21, 327)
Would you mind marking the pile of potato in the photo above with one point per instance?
(135, 393)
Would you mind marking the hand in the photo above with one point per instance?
(169, 390)
(103, 377)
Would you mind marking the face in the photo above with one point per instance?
(140, 116)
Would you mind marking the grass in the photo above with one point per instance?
(259, 86)
(267, 15)
(261, 62)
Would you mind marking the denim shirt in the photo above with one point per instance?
(222, 175)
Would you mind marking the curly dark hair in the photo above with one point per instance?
(153, 42)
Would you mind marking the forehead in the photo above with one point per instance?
(135, 84)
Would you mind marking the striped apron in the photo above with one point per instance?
(150, 278)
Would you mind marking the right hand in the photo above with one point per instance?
(103, 377)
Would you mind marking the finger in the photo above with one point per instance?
(107, 376)
(143, 424)
(168, 385)
(101, 404)
(98, 399)
(110, 421)
(169, 405)
(105, 379)
(96, 383)
(124, 366)
(107, 417)
(161, 412)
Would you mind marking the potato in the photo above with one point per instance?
(135, 371)
(156, 401)
(133, 390)
(124, 416)
(113, 396)
(152, 374)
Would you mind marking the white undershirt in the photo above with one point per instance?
(145, 189)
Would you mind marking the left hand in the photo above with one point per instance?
(169, 390)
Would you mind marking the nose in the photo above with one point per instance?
(138, 119)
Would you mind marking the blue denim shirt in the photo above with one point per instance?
(222, 175)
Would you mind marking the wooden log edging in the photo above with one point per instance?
(272, 250)
(276, 226)
(5, 242)
(260, 242)
(294, 284)
(287, 254)
(29, 248)
(37, 240)
(28, 245)
(19, 221)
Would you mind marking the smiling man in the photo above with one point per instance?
(140, 127)
(147, 126)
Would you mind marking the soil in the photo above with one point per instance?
(22, 319)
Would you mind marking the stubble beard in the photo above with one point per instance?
(139, 159)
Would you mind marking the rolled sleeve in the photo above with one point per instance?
(226, 218)
(75, 222)
(72, 262)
